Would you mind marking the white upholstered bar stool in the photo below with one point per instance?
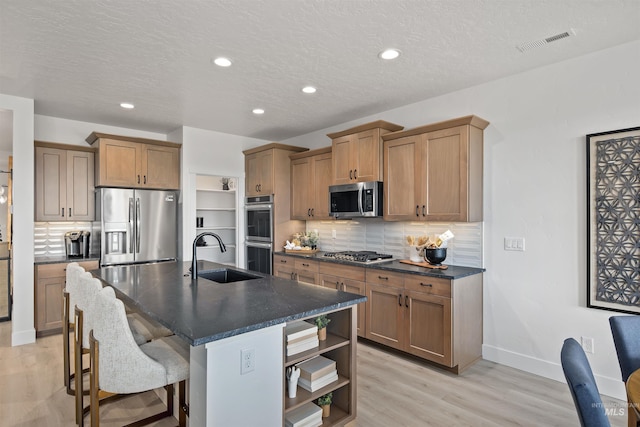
(68, 303)
(119, 365)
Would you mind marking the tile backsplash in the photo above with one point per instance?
(465, 249)
(48, 237)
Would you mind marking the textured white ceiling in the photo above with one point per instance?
(80, 58)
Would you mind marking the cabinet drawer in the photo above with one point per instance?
(47, 271)
(283, 260)
(306, 265)
(427, 284)
(385, 278)
(344, 271)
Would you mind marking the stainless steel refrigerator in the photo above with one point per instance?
(137, 226)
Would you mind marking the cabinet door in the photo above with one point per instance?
(446, 174)
(331, 282)
(307, 271)
(384, 315)
(366, 156)
(342, 169)
(402, 187)
(160, 167)
(322, 167)
(428, 327)
(51, 184)
(120, 163)
(49, 304)
(301, 188)
(80, 186)
(259, 173)
(266, 172)
(357, 287)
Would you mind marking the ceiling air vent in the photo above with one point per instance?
(538, 43)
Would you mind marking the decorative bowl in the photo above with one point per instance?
(435, 256)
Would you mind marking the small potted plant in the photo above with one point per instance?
(325, 403)
(322, 322)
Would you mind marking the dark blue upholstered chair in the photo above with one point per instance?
(582, 385)
(626, 337)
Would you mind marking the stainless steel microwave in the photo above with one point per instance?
(363, 199)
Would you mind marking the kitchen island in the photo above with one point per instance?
(223, 320)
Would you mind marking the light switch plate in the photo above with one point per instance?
(514, 244)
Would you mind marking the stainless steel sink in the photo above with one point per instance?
(227, 275)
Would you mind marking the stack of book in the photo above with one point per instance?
(316, 373)
(307, 415)
(301, 336)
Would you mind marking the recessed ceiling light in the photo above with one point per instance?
(127, 105)
(389, 54)
(309, 89)
(222, 62)
(258, 111)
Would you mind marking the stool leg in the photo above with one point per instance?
(94, 401)
(182, 411)
(77, 350)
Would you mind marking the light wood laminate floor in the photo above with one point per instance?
(392, 391)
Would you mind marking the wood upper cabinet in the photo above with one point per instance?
(136, 162)
(64, 183)
(434, 172)
(49, 283)
(357, 152)
(267, 169)
(310, 181)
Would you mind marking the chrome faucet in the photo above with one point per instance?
(194, 261)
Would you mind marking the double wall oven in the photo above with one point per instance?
(259, 233)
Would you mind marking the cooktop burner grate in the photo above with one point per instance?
(358, 256)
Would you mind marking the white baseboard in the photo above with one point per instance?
(612, 387)
(23, 337)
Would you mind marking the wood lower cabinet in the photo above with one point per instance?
(357, 152)
(136, 162)
(49, 283)
(434, 172)
(340, 346)
(434, 318)
(348, 279)
(304, 270)
(310, 181)
(64, 183)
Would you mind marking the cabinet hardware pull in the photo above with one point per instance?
(138, 179)
(256, 188)
(350, 174)
(308, 212)
(355, 174)
(283, 260)
(344, 288)
(400, 300)
(291, 276)
(305, 265)
(383, 278)
(260, 187)
(63, 212)
(424, 212)
(417, 210)
(313, 212)
(426, 284)
(69, 212)
(406, 301)
(145, 179)
(337, 285)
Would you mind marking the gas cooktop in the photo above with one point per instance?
(367, 257)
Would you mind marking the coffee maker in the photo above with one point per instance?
(77, 244)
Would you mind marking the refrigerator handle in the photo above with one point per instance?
(130, 231)
(137, 225)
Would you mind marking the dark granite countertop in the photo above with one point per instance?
(453, 272)
(202, 311)
(63, 258)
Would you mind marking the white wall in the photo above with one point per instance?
(23, 330)
(534, 186)
(210, 153)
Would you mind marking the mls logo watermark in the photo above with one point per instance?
(615, 409)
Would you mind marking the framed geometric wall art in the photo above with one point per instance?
(613, 220)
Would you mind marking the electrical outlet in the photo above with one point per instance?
(333, 234)
(247, 360)
(587, 344)
(514, 244)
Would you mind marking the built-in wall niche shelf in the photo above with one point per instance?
(216, 211)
